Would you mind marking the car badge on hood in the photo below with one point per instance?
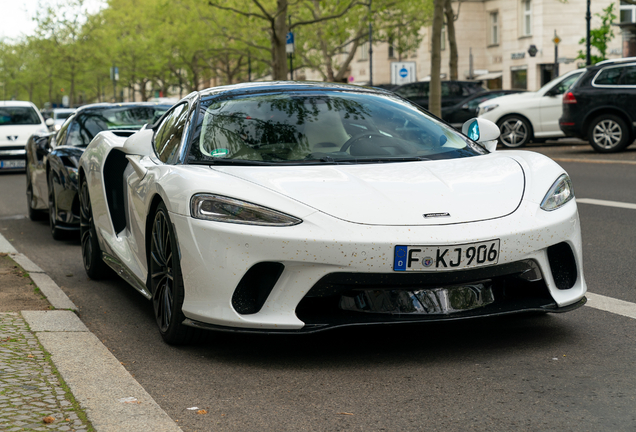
(433, 215)
(12, 137)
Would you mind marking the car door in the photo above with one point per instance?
(551, 107)
(167, 142)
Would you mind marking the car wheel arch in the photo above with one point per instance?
(593, 115)
(154, 204)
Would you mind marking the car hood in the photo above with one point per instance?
(22, 132)
(406, 193)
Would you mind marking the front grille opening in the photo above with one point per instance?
(502, 289)
(255, 286)
(563, 265)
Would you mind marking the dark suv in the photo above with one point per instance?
(600, 106)
(453, 92)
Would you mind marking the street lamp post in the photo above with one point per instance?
(370, 46)
(588, 18)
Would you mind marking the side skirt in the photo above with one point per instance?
(123, 272)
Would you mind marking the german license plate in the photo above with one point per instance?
(440, 258)
(17, 163)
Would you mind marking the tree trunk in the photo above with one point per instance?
(435, 86)
(279, 40)
(452, 40)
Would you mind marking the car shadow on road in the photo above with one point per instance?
(394, 344)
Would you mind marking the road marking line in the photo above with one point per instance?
(608, 304)
(597, 161)
(606, 203)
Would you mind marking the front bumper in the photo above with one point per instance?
(324, 260)
(12, 158)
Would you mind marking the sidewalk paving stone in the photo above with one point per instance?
(31, 391)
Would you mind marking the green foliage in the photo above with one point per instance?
(600, 37)
(177, 46)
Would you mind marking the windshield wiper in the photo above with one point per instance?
(394, 159)
(223, 161)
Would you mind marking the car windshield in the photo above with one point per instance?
(62, 115)
(562, 84)
(10, 116)
(86, 124)
(322, 127)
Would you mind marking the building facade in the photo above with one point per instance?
(507, 43)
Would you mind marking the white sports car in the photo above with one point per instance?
(297, 207)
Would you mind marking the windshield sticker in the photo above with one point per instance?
(222, 152)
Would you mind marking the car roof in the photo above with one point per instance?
(282, 86)
(100, 106)
(17, 103)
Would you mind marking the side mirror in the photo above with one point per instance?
(42, 145)
(553, 92)
(483, 132)
(139, 143)
(49, 122)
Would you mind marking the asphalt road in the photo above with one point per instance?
(563, 372)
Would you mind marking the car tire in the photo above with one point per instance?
(608, 134)
(94, 265)
(515, 131)
(166, 281)
(34, 215)
(56, 232)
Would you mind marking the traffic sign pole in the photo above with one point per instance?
(556, 41)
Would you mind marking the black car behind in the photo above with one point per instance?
(600, 106)
(453, 92)
(468, 108)
(52, 159)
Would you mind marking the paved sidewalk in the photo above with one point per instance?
(30, 389)
(55, 375)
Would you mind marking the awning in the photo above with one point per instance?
(489, 76)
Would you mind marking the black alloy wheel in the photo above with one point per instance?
(34, 215)
(94, 265)
(608, 134)
(515, 131)
(166, 282)
(56, 232)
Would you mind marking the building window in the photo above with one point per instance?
(519, 77)
(364, 51)
(391, 48)
(628, 12)
(494, 28)
(527, 17)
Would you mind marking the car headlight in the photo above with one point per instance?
(487, 108)
(223, 209)
(560, 193)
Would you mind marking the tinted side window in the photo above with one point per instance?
(629, 76)
(451, 89)
(419, 89)
(169, 133)
(609, 76)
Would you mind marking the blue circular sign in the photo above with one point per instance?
(403, 72)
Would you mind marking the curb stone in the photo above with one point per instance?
(111, 398)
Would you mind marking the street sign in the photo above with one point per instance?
(289, 47)
(114, 73)
(403, 73)
(556, 40)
